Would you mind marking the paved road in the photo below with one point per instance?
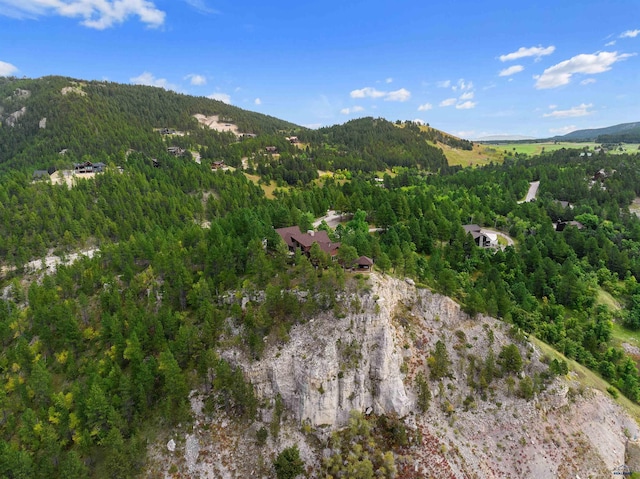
(332, 218)
(533, 191)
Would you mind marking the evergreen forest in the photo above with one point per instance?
(96, 355)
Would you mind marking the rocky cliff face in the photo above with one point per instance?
(333, 365)
(367, 360)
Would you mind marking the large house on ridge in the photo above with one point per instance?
(296, 239)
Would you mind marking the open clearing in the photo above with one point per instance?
(214, 123)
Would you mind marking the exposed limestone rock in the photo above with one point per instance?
(332, 366)
(43, 123)
(15, 116)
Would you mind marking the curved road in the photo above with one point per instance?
(533, 192)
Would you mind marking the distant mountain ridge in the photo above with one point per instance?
(621, 132)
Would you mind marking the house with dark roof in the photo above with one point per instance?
(363, 264)
(296, 239)
(88, 167)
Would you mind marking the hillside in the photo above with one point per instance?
(624, 132)
(371, 360)
(40, 118)
(435, 322)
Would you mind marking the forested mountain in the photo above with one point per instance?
(624, 132)
(101, 119)
(192, 286)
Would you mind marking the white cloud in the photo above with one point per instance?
(553, 107)
(98, 14)
(630, 34)
(610, 44)
(367, 92)
(196, 79)
(389, 80)
(425, 107)
(467, 96)
(512, 70)
(561, 73)
(448, 102)
(587, 81)
(467, 105)
(257, 101)
(150, 80)
(223, 97)
(201, 6)
(7, 69)
(581, 110)
(563, 130)
(444, 84)
(419, 121)
(399, 95)
(462, 85)
(354, 109)
(523, 52)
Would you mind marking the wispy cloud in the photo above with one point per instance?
(7, 69)
(399, 95)
(524, 52)
(467, 105)
(512, 70)
(576, 111)
(196, 79)
(462, 85)
(630, 34)
(389, 80)
(369, 92)
(561, 73)
(444, 84)
(467, 96)
(149, 79)
(202, 7)
(448, 102)
(353, 109)
(223, 97)
(610, 44)
(588, 81)
(425, 107)
(98, 14)
(563, 130)
(257, 101)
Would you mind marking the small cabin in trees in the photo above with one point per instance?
(363, 264)
(217, 165)
(271, 149)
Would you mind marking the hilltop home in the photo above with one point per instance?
(296, 239)
(216, 165)
(271, 149)
(482, 238)
(363, 264)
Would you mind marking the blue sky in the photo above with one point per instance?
(466, 67)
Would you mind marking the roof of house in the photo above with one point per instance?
(364, 261)
(293, 236)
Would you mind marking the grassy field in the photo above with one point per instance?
(268, 189)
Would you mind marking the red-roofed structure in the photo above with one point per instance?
(296, 239)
